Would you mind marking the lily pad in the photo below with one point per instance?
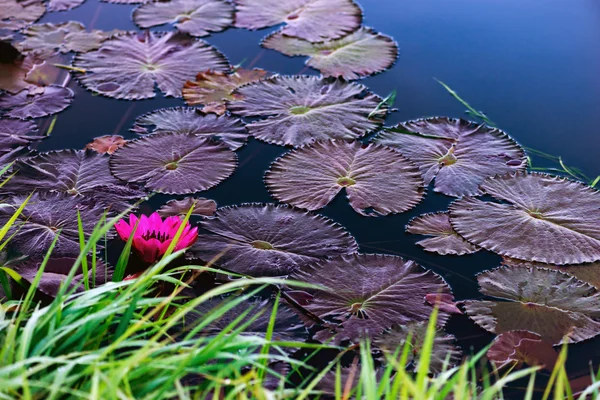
(17, 14)
(187, 120)
(27, 105)
(556, 306)
(13, 74)
(195, 17)
(589, 273)
(174, 163)
(375, 178)
(313, 20)
(370, 293)
(362, 53)
(444, 240)
(522, 347)
(536, 217)
(269, 240)
(126, 1)
(202, 207)
(303, 109)
(213, 89)
(16, 133)
(44, 216)
(129, 66)
(63, 5)
(459, 154)
(106, 144)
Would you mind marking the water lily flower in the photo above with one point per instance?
(153, 235)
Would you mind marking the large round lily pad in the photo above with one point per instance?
(444, 240)
(269, 240)
(536, 217)
(556, 306)
(25, 105)
(187, 120)
(357, 55)
(195, 17)
(589, 272)
(202, 207)
(370, 293)
(459, 154)
(174, 163)
(129, 66)
(377, 179)
(17, 14)
(313, 20)
(300, 110)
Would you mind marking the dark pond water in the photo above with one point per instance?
(531, 65)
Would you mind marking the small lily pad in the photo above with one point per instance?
(202, 207)
(17, 14)
(516, 348)
(16, 133)
(35, 105)
(444, 240)
(63, 5)
(107, 144)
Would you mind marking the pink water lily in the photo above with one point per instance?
(153, 235)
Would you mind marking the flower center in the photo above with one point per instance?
(161, 236)
(261, 245)
(299, 110)
(345, 181)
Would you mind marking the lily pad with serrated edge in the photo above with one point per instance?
(303, 109)
(106, 144)
(16, 133)
(174, 163)
(188, 120)
(17, 14)
(202, 207)
(195, 17)
(558, 307)
(269, 240)
(522, 347)
(128, 66)
(459, 154)
(313, 20)
(370, 293)
(25, 105)
(354, 56)
(375, 178)
(212, 89)
(63, 5)
(535, 217)
(444, 240)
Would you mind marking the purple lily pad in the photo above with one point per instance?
(174, 163)
(25, 105)
(269, 240)
(537, 217)
(81, 174)
(459, 154)
(202, 207)
(17, 14)
(63, 5)
(558, 307)
(16, 133)
(355, 56)
(303, 109)
(187, 120)
(444, 240)
(195, 17)
(44, 216)
(370, 293)
(129, 66)
(516, 348)
(374, 177)
(589, 273)
(313, 20)
(13, 74)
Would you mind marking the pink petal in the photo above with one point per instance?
(123, 229)
(165, 245)
(147, 249)
(187, 240)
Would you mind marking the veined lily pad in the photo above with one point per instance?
(202, 207)
(313, 20)
(269, 240)
(444, 239)
(537, 217)
(213, 89)
(370, 293)
(126, 1)
(459, 154)
(589, 273)
(374, 177)
(357, 55)
(106, 144)
(17, 14)
(522, 347)
(28, 105)
(128, 66)
(556, 306)
(174, 163)
(63, 5)
(304, 109)
(195, 17)
(15, 133)
(187, 120)
(13, 74)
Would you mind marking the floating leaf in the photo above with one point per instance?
(357, 55)
(304, 109)
(202, 207)
(129, 66)
(459, 154)
(27, 105)
(106, 144)
(15, 133)
(522, 347)
(558, 307)
(195, 17)
(44, 216)
(589, 273)
(174, 163)
(444, 239)
(63, 5)
(313, 20)
(537, 217)
(13, 73)
(82, 174)
(17, 14)
(269, 240)
(369, 293)
(213, 89)
(445, 302)
(45, 73)
(187, 120)
(126, 1)
(374, 177)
